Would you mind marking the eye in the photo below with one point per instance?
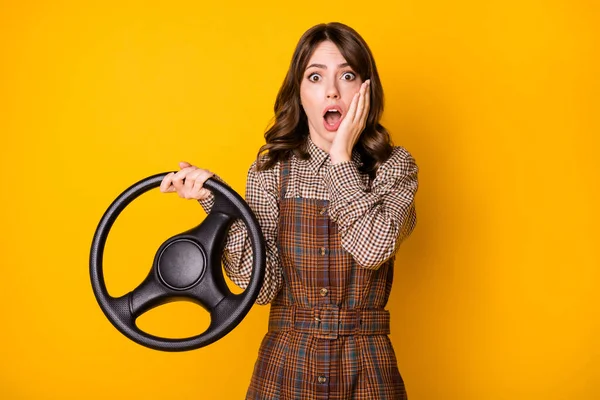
(348, 76)
(314, 77)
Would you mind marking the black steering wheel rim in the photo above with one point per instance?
(227, 309)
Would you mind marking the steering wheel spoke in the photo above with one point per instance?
(208, 293)
(211, 234)
(148, 295)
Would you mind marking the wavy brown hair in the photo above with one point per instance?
(289, 131)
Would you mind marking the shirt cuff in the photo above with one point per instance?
(344, 185)
(208, 202)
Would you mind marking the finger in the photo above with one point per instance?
(180, 176)
(360, 109)
(203, 194)
(199, 188)
(190, 182)
(352, 109)
(367, 107)
(166, 182)
(361, 104)
(184, 164)
(183, 172)
(190, 179)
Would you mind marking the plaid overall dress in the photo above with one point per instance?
(328, 329)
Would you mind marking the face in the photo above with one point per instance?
(326, 92)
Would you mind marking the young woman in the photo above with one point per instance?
(334, 199)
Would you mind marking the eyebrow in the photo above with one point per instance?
(323, 66)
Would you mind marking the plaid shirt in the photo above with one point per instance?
(372, 217)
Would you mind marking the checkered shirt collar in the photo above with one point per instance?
(320, 158)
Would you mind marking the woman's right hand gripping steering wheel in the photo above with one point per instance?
(187, 182)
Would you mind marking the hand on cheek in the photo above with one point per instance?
(352, 126)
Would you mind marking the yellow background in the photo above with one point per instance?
(496, 293)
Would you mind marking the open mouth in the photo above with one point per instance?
(332, 118)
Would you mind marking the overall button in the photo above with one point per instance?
(322, 379)
(322, 211)
(322, 250)
(323, 292)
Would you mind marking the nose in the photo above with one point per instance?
(332, 91)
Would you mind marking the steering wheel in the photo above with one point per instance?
(186, 266)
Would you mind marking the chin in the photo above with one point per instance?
(328, 137)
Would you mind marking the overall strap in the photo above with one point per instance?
(284, 177)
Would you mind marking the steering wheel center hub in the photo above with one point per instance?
(181, 264)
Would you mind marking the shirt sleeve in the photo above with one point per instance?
(373, 223)
(262, 195)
